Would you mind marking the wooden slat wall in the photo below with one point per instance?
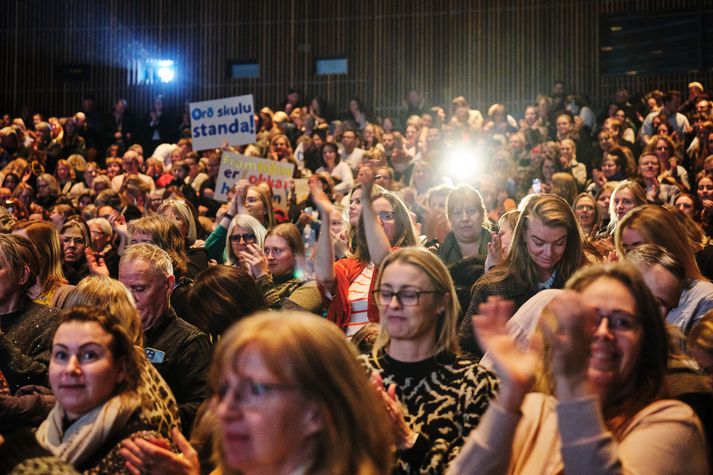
(487, 50)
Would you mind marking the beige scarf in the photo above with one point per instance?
(81, 439)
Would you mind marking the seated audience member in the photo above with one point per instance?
(159, 409)
(626, 196)
(700, 243)
(652, 224)
(337, 169)
(74, 236)
(223, 248)
(657, 190)
(221, 296)
(102, 234)
(307, 398)
(180, 351)
(590, 411)
(51, 287)
(278, 269)
(165, 234)
(434, 395)
(183, 214)
(94, 372)
(347, 283)
(547, 248)
(587, 213)
(131, 166)
(26, 328)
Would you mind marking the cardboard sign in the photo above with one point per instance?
(230, 120)
(234, 167)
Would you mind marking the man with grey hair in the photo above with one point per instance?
(681, 303)
(178, 350)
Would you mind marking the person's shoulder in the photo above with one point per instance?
(186, 331)
(665, 410)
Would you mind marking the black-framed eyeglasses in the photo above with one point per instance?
(386, 215)
(251, 394)
(619, 321)
(406, 297)
(249, 238)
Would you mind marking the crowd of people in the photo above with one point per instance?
(460, 292)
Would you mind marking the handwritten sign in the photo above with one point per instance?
(231, 120)
(234, 167)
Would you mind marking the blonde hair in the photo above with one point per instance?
(112, 296)
(658, 226)
(310, 353)
(437, 272)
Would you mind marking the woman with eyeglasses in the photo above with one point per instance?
(278, 270)
(433, 395)
(74, 237)
(547, 248)
(384, 223)
(589, 395)
(289, 397)
(587, 213)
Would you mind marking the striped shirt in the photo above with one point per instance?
(359, 300)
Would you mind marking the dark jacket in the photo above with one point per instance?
(25, 344)
(509, 288)
(181, 353)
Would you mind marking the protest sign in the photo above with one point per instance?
(229, 120)
(234, 167)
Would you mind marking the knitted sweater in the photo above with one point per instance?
(444, 398)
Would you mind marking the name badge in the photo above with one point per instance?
(154, 355)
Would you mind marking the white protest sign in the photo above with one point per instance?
(234, 167)
(230, 120)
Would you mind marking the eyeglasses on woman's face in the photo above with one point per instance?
(250, 394)
(406, 297)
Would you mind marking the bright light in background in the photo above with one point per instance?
(463, 164)
(166, 71)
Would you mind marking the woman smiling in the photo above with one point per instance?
(599, 405)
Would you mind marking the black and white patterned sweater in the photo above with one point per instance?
(444, 398)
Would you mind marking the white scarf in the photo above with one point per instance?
(81, 439)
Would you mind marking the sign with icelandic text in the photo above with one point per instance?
(234, 167)
(230, 120)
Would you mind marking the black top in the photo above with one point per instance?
(181, 353)
(25, 344)
(444, 397)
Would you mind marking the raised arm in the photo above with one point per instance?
(324, 257)
(376, 239)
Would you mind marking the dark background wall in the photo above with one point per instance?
(487, 50)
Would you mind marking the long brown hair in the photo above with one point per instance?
(647, 384)
(552, 211)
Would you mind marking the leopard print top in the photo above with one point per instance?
(443, 399)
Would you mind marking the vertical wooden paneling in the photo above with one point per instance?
(490, 51)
